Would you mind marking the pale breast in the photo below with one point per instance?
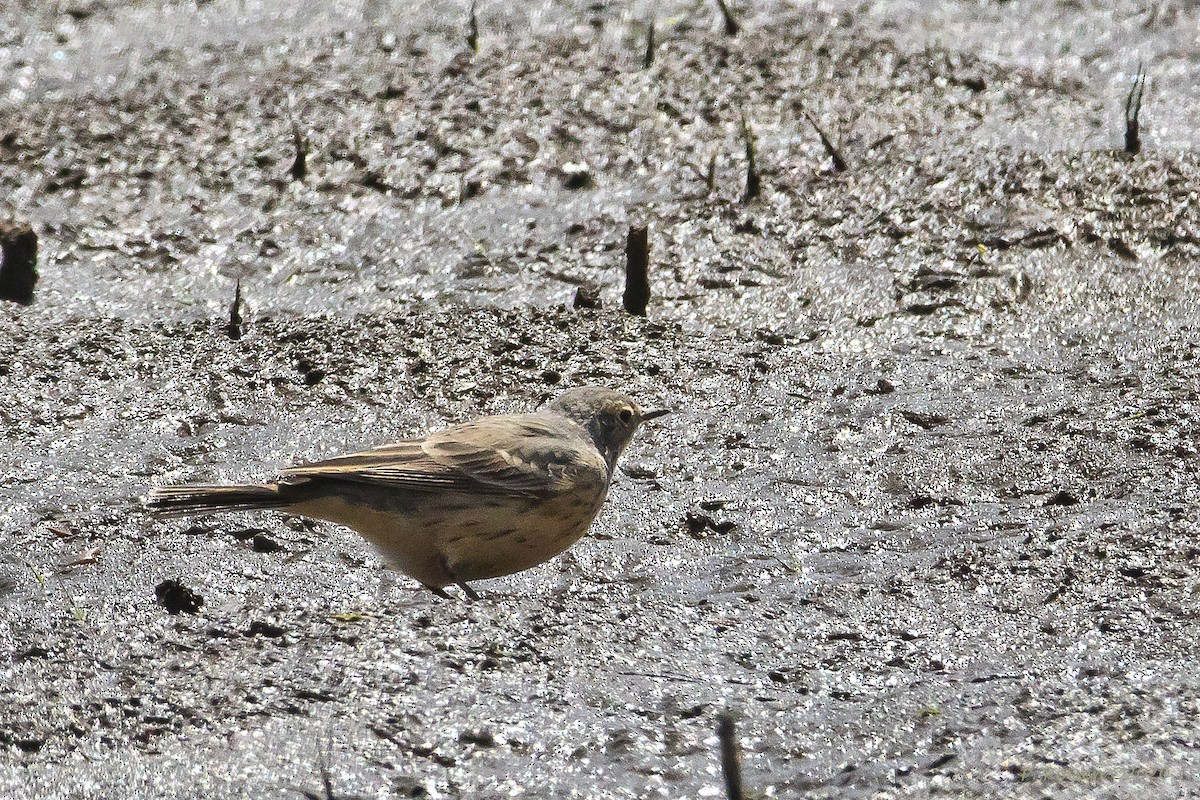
(519, 536)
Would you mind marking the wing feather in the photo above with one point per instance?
(532, 455)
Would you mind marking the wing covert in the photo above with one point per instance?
(530, 455)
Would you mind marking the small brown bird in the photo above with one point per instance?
(476, 500)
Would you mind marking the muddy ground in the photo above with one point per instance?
(923, 521)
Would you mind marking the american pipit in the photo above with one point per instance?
(477, 500)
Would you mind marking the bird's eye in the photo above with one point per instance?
(626, 416)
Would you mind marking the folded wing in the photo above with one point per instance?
(525, 455)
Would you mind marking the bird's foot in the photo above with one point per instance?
(459, 582)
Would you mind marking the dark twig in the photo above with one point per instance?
(637, 270)
(587, 296)
(234, 328)
(323, 757)
(731, 763)
(753, 181)
(472, 29)
(648, 56)
(326, 777)
(1133, 107)
(731, 24)
(299, 168)
(326, 792)
(709, 174)
(18, 263)
(839, 163)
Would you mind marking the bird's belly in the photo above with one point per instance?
(439, 539)
(514, 537)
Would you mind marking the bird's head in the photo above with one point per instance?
(610, 417)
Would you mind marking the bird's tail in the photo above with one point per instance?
(180, 500)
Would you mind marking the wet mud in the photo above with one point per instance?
(923, 521)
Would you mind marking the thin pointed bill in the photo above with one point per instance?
(655, 414)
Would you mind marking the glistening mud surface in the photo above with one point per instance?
(924, 519)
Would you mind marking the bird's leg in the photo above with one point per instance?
(459, 582)
(439, 591)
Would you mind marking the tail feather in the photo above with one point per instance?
(180, 500)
